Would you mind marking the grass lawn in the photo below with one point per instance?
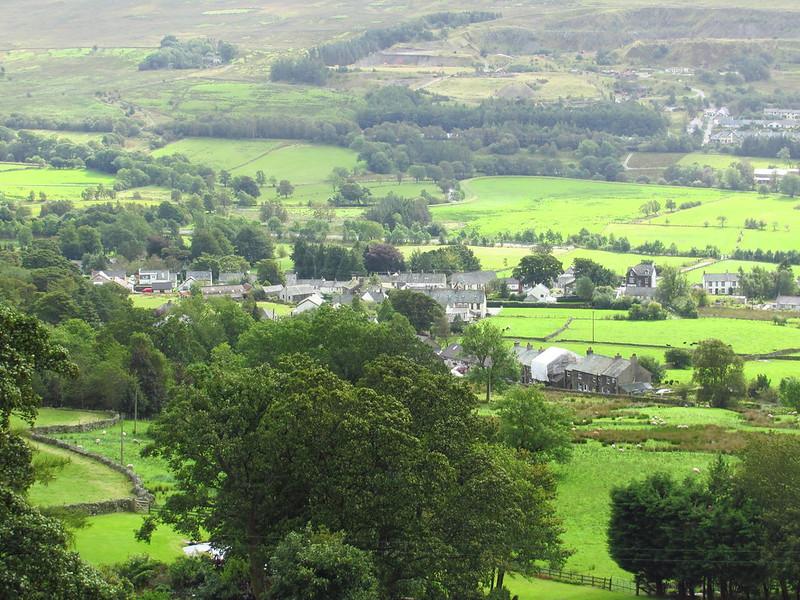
(152, 470)
(61, 416)
(109, 539)
(80, 480)
(151, 300)
(583, 496)
(541, 589)
(280, 310)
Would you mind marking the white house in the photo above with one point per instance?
(768, 176)
(103, 278)
(312, 302)
(540, 294)
(467, 305)
(721, 284)
(473, 280)
(788, 303)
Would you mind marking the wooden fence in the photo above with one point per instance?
(604, 583)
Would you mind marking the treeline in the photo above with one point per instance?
(189, 54)
(400, 104)
(283, 127)
(347, 52)
(91, 125)
(768, 146)
(789, 257)
(729, 534)
(324, 261)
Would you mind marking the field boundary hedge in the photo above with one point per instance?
(517, 304)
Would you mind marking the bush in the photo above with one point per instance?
(647, 311)
(678, 358)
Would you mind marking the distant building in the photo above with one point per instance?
(769, 176)
(513, 285)
(467, 305)
(788, 303)
(639, 293)
(721, 284)
(550, 366)
(234, 292)
(540, 294)
(233, 277)
(157, 280)
(525, 356)
(105, 278)
(414, 281)
(297, 293)
(643, 275)
(312, 302)
(566, 282)
(201, 277)
(473, 280)
(782, 113)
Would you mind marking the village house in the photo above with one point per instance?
(721, 284)
(606, 375)
(234, 292)
(525, 356)
(782, 113)
(273, 291)
(540, 294)
(312, 302)
(473, 280)
(201, 278)
(467, 305)
(771, 176)
(455, 360)
(414, 281)
(549, 366)
(787, 303)
(297, 293)
(156, 280)
(513, 285)
(566, 282)
(111, 277)
(642, 275)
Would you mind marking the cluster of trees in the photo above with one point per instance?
(737, 176)
(731, 534)
(357, 462)
(279, 127)
(347, 52)
(190, 54)
(331, 262)
(302, 69)
(447, 259)
(764, 284)
(788, 257)
(394, 210)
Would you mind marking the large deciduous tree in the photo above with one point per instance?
(496, 363)
(383, 258)
(538, 268)
(718, 372)
(421, 310)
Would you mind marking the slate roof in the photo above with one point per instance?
(792, 300)
(640, 292)
(451, 297)
(724, 277)
(273, 289)
(299, 290)
(473, 278)
(643, 269)
(416, 278)
(199, 275)
(232, 277)
(525, 354)
(597, 364)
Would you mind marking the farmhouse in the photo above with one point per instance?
(606, 375)
(467, 305)
(787, 303)
(643, 275)
(721, 284)
(513, 285)
(233, 277)
(156, 280)
(474, 280)
(272, 290)
(414, 281)
(566, 281)
(455, 360)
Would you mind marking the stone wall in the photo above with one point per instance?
(108, 506)
(80, 428)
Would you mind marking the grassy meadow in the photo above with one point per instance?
(109, 539)
(57, 184)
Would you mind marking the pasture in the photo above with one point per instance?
(61, 416)
(722, 161)
(509, 204)
(79, 480)
(541, 589)
(57, 184)
(109, 539)
(583, 496)
(543, 86)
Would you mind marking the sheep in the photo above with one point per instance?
(129, 466)
(97, 441)
(695, 470)
(104, 431)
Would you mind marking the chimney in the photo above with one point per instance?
(516, 344)
(589, 351)
(530, 346)
(617, 356)
(541, 348)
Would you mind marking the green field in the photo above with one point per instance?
(300, 163)
(280, 310)
(78, 481)
(508, 204)
(152, 470)
(540, 589)
(152, 301)
(722, 161)
(583, 496)
(58, 184)
(61, 416)
(620, 262)
(109, 539)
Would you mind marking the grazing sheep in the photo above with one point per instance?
(124, 434)
(104, 431)
(696, 470)
(129, 466)
(97, 441)
(683, 427)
